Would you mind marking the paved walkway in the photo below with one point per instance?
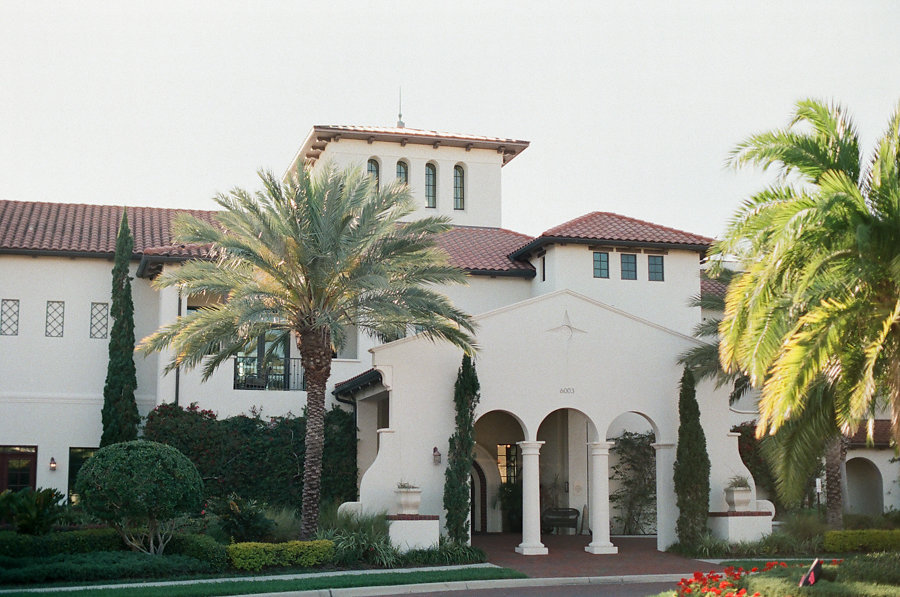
(567, 558)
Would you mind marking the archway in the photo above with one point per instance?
(478, 499)
(865, 491)
(497, 454)
(632, 475)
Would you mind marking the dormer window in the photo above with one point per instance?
(372, 169)
(430, 185)
(402, 172)
(459, 187)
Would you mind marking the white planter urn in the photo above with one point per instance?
(737, 498)
(410, 498)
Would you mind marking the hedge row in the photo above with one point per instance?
(85, 541)
(256, 556)
(200, 547)
(96, 566)
(867, 540)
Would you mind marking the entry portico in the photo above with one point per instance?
(561, 352)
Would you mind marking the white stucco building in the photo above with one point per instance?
(579, 331)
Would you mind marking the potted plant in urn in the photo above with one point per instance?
(410, 497)
(737, 494)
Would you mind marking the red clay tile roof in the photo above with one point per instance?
(408, 132)
(881, 434)
(714, 287)
(485, 249)
(48, 228)
(33, 227)
(610, 228)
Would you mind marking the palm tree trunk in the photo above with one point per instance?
(315, 357)
(835, 452)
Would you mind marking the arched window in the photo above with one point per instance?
(372, 169)
(402, 172)
(459, 187)
(430, 185)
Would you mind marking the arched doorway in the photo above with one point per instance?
(478, 486)
(632, 475)
(865, 490)
(497, 434)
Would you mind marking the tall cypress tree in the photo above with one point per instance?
(461, 453)
(691, 466)
(120, 413)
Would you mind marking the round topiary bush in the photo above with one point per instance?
(140, 487)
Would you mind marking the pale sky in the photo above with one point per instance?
(630, 107)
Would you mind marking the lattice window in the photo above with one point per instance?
(56, 315)
(9, 317)
(99, 320)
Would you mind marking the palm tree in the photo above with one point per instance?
(703, 360)
(819, 298)
(307, 258)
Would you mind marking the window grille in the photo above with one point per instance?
(9, 317)
(56, 311)
(99, 320)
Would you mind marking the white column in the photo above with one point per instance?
(600, 542)
(531, 500)
(666, 506)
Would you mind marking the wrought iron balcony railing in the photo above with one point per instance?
(281, 374)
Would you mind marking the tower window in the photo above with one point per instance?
(403, 172)
(430, 185)
(459, 188)
(372, 169)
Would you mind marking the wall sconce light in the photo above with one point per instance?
(52, 463)
(436, 455)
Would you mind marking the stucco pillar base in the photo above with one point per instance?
(532, 550)
(599, 548)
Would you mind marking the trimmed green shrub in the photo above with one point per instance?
(256, 556)
(97, 566)
(140, 487)
(84, 541)
(867, 540)
(200, 547)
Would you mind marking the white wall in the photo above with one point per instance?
(482, 170)
(572, 266)
(51, 389)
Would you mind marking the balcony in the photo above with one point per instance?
(283, 374)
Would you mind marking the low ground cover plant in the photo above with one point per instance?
(101, 565)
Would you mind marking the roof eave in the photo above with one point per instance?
(360, 382)
(506, 273)
(541, 241)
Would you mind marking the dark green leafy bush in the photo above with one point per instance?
(140, 487)
(97, 566)
(242, 519)
(83, 541)
(258, 458)
(32, 512)
(445, 554)
(200, 547)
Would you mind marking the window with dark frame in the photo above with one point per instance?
(508, 462)
(99, 320)
(18, 467)
(9, 317)
(430, 185)
(77, 458)
(459, 187)
(601, 264)
(55, 320)
(655, 268)
(629, 266)
(372, 169)
(402, 172)
(543, 268)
